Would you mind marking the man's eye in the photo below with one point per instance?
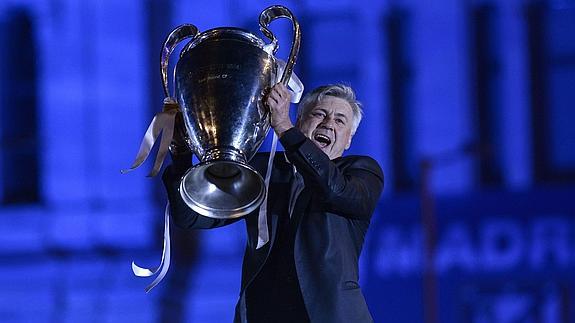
(340, 121)
(317, 114)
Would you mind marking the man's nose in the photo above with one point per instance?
(328, 123)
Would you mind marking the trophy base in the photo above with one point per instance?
(222, 189)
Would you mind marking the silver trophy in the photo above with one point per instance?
(220, 81)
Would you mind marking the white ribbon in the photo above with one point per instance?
(263, 234)
(163, 123)
(162, 269)
(295, 86)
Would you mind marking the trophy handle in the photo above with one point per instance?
(174, 38)
(268, 15)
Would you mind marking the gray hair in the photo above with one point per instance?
(336, 90)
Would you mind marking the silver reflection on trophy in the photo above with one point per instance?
(220, 81)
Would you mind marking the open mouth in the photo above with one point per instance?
(322, 140)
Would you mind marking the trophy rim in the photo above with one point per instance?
(218, 32)
(222, 213)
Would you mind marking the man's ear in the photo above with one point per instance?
(349, 142)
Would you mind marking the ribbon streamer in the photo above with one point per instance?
(263, 234)
(162, 269)
(295, 86)
(163, 122)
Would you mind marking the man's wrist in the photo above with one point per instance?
(292, 139)
(282, 128)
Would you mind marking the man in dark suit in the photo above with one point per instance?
(318, 212)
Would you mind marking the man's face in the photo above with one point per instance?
(328, 124)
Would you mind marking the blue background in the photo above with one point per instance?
(468, 109)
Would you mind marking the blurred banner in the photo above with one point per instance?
(499, 257)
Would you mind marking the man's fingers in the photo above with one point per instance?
(272, 102)
(283, 91)
(280, 92)
(277, 97)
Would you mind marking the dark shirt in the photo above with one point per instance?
(275, 295)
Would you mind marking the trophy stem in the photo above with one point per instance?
(220, 170)
(224, 153)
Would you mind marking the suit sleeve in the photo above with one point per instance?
(183, 216)
(352, 193)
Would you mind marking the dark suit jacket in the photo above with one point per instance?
(337, 204)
